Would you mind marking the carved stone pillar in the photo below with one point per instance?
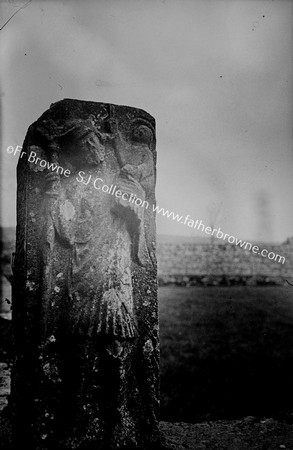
(85, 291)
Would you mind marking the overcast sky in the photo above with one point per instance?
(216, 75)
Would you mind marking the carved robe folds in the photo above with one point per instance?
(85, 292)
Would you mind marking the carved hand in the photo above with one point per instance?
(133, 189)
(129, 169)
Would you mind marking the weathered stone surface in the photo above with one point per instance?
(4, 384)
(85, 288)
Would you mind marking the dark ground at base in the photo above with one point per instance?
(249, 433)
(248, 330)
(246, 434)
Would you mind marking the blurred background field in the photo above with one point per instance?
(226, 352)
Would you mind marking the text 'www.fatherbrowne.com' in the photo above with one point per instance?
(132, 198)
(218, 233)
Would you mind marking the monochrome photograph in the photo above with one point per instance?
(146, 225)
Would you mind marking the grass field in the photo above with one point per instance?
(226, 352)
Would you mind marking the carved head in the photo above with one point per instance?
(82, 144)
(83, 139)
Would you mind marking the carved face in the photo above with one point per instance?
(136, 144)
(88, 150)
(142, 134)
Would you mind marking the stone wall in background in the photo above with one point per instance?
(191, 264)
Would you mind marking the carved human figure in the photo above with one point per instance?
(97, 346)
